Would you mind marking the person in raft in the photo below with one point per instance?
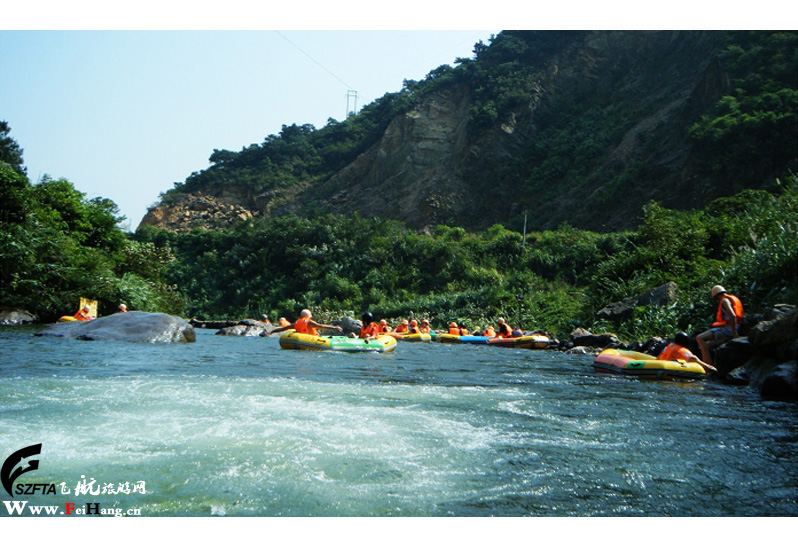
(453, 329)
(724, 328)
(384, 328)
(403, 327)
(504, 330)
(369, 329)
(677, 350)
(83, 314)
(283, 322)
(490, 332)
(305, 325)
(413, 328)
(463, 330)
(122, 308)
(425, 328)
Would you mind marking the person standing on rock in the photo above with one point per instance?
(724, 328)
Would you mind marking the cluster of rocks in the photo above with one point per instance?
(16, 317)
(196, 211)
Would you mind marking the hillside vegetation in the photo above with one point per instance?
(637, 158)
(570, 127)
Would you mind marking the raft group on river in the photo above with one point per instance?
(380, 336)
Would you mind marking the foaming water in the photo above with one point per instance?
(235, 426)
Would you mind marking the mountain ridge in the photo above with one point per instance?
(582, 128)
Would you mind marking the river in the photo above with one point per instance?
(236, 426)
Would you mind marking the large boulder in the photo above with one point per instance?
(584, 338)
(126, 327)
(781, 383)
(16, 317)
(622, 310)
(779, 327)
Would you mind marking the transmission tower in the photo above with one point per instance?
(351, 103)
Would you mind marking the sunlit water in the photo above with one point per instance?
(236, 426)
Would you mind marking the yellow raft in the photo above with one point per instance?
(295, 340)
(618, 361)
(412, 337)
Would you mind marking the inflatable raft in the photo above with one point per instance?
(447, 338)
(295, 340)
(534, 341)
(70, 318)
(412, 337)
(618, 361)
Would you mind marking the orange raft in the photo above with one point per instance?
(618, 361)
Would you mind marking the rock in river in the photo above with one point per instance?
(126, 327)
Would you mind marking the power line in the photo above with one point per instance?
(314, 60)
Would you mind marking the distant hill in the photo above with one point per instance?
(561, 126)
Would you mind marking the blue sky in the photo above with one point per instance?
(126, 114)
(125, 99)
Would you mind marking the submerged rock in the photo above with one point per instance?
(144, 327)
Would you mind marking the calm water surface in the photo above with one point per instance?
(236, 426)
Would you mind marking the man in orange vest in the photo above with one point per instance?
(677, 350)
(724, 328)
(83, 314)
(369, 329)
(305, 325)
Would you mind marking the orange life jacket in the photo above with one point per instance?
(384, 328)
(301, 326)
(454, 330)
(737, 307)
(401, 328)
(489, 332)
(370, 330)
(463, 331)
(81, 316)
(505, 331)
(675, 352)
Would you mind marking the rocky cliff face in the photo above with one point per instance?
(430, 167)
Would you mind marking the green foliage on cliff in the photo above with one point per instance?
(751, 131)
(679, 117)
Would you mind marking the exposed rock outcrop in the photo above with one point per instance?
(247, 327)
(622, 310)
(128, 327)
(767, 358)
(16, 317)
(431, 159)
